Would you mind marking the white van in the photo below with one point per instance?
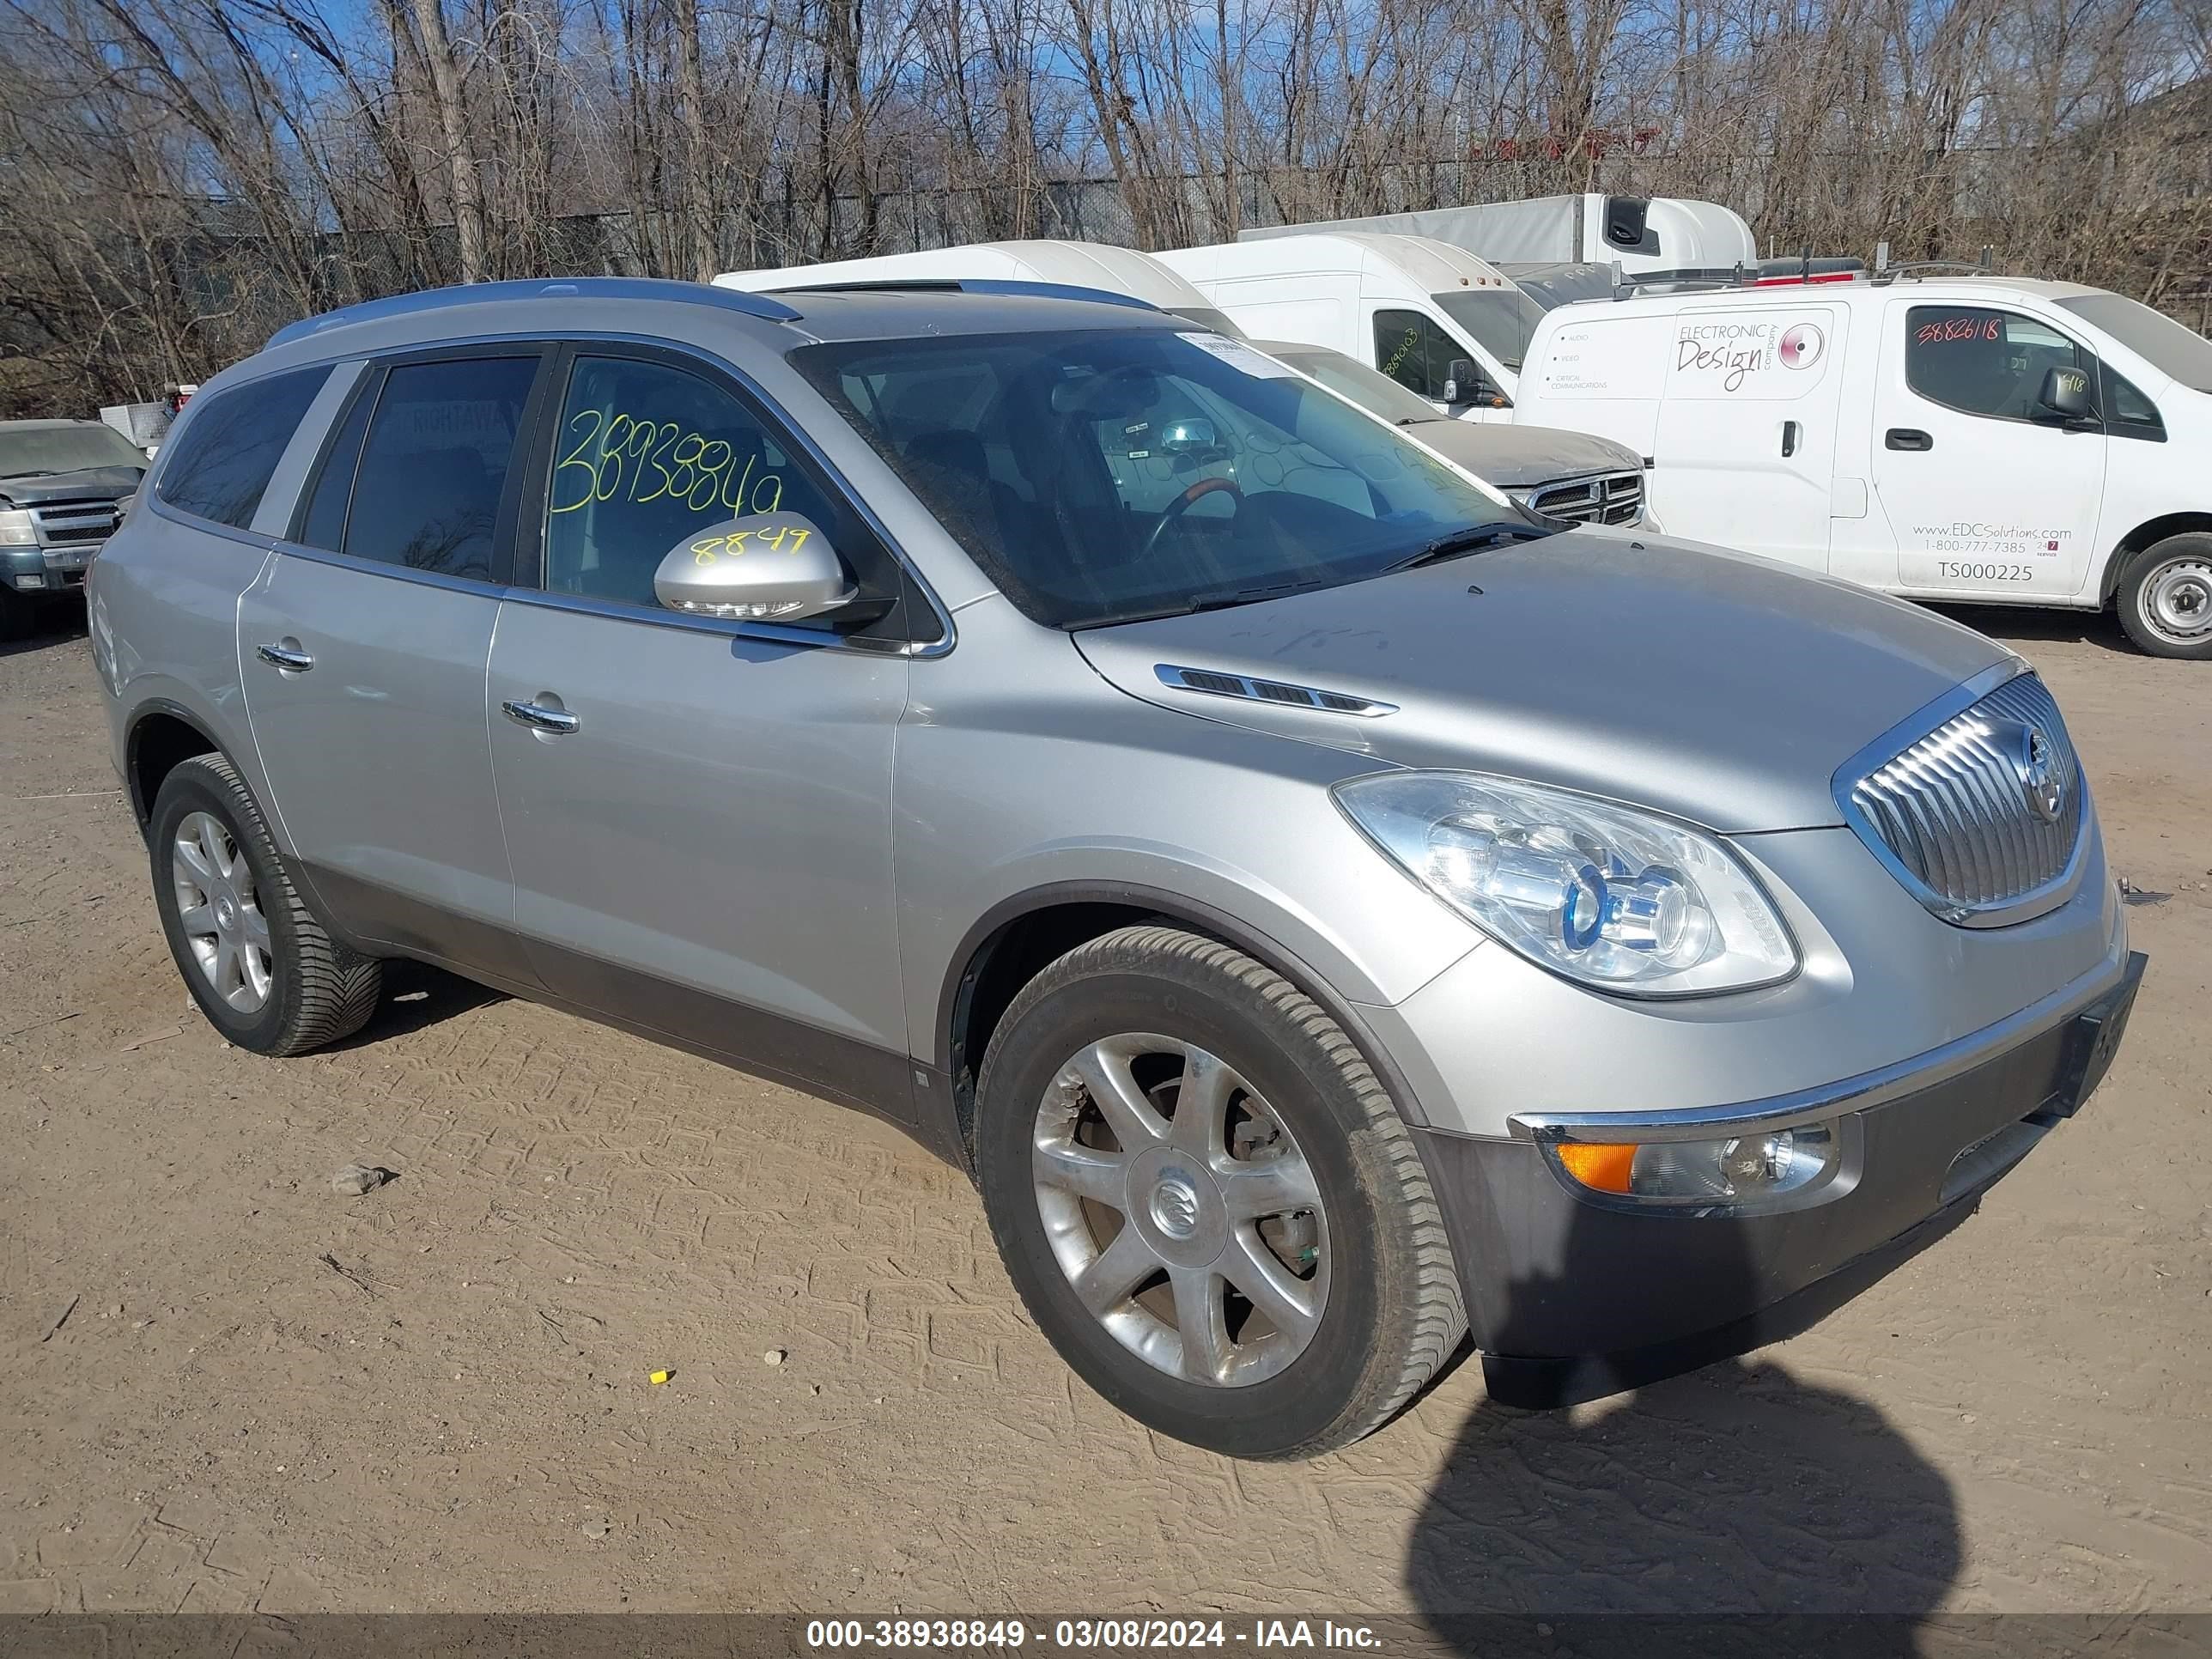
(1066, 264)
(1649, 237)
(1434, 317)
(1979, 439)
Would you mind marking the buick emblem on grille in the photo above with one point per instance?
(2041, 781)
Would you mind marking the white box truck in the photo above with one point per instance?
(1983, 439)
(1442, 323)
(1649, 238)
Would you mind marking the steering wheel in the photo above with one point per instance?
(1182, 504)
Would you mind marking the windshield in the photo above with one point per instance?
(1372, 389)
(1104, 476)
(1500, 318)
(26, 451)
(2164, 344)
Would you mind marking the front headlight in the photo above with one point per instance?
(16, 529)
(1616, 898)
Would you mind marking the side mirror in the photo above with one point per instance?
(1192, 435)
(1460, 380)
(771, 566)
(2066, 394)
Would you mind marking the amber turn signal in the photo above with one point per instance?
(1604, 1167)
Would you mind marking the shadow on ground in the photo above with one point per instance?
(1739, 1489)
(52, 623)
(2029, 623)
(417, 995)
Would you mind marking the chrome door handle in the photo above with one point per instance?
(539, 717)
(289, 658)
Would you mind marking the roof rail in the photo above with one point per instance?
(1885, 272)
(1003, 285)
(587, 287)
(1627, 288)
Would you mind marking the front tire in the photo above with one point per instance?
(264, 972)
(1207, 1200)
(2166, 598)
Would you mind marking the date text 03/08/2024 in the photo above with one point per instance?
(833, 1635)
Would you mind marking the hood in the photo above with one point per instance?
(1520, 457)
(1718, 687)
(93, 484)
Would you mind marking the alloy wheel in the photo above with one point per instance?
(1181, 1210)
(220, 912)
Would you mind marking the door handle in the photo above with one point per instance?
(1789, 438)
(289, 658)
(1907, 437)
(539, 717)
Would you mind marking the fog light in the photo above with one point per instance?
(30, 581)
(1742, 1169)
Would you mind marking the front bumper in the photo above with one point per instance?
(35, 572)
(1572, 1298)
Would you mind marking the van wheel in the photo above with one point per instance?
(1207, 1200)
(261, 968)
(2166, 597)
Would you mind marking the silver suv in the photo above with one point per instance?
(1325, 908)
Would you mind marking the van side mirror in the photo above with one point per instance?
(766, 566)
(1462, 383)
(2065, 395)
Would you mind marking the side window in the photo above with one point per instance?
(325, 521)
(232, 443)
(647, 453)
(433, 464)
(1415, 352)
(2128, 413)
(1981, 361)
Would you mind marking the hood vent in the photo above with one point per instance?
(1214, 683)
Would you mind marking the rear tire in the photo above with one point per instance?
(264, 972)
(2166, 598)
(1289, 1286)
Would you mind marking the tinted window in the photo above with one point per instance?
(434, 464)
(2127, 411)
(326, 507)
(647, 455)
(1413, 351)
(221, 464)
(1982, 361)
(1111, 473)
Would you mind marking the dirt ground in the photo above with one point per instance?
(435, 1397)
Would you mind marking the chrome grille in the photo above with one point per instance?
(1981, 816)
(1609, 498)
(72, 524)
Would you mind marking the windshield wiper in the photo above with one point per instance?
(1473, 539)
(1222, 597)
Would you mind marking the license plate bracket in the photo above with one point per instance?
(2092, 1041)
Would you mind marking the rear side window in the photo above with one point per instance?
(433, 464)
(1981, 361)
(221, 467)
(325, 522)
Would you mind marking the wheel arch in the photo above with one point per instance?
(1013, 941)
(160, 735)
(2148, 533)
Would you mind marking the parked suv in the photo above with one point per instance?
(1323, 910)
(60, 483)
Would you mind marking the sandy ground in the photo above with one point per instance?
(435, 1397)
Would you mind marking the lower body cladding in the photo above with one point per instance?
(1580, 1286)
